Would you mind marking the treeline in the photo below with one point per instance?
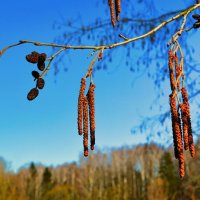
(143, 172)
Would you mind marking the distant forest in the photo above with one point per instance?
(142, 172)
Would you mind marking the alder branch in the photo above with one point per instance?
(109, 46)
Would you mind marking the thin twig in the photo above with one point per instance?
(50, 60)
(183, 13)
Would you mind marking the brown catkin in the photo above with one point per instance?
(172, 102)
(171, 70)
(184, 125)
(181, 165)
(177, 68)
(85, 126)
(80, 106)
(112, 11)
(91, 101)
(187, 114)
(175, 128)
(117, 8)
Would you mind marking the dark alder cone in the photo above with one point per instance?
(85, 126)
(196, 16)
(33, 93)
(80, 106)
(41, 59)
(90, 97)
(35, 74)
(196, 24)
(112, 11)
(43, 56)
(171, 69)
(40, 83)
(33, 57)
(41, 66)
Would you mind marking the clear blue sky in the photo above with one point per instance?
(45, 130)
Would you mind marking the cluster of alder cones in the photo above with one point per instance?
(115, 9)
(38, 58)
(180, 112)
(86, 108)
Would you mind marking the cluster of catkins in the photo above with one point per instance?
(180, 113)
(86, 108)
(38, 58)
(115, 9)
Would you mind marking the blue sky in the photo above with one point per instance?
(45, 130)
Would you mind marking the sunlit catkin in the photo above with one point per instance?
(112, 11)
(80, 106)
(91, 102)
(177, 70)
(187, 114)
(181, 165)
(171, 70)
(175, 127)
(184, 125)
(178, 145)
(117, 9)
(85, 126)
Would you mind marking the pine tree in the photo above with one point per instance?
(46, 184)
(31, 182)
(168, 173)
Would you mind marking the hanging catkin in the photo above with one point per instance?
(175, 127)
(184, 125)
(85, 126)
(80, 106)
(112, 11)
(177, 136)
(181, 165)
(117, 9)
(90, 96)
(177, 70)
(187, 114)
(171, 69)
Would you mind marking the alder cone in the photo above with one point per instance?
(35, 74)
(33, 93)
(33, 57)
(41, 66)
(196, 24)
(40, 83)
(42, 56)
(196, 16)
(41, 59)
